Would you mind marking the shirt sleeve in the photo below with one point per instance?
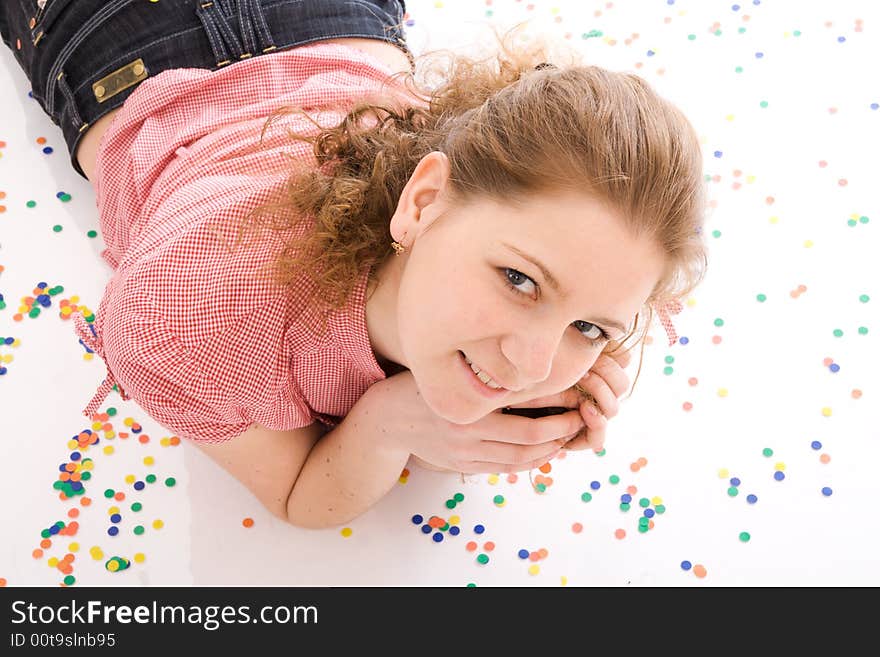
(170, 383)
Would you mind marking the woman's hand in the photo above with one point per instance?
(495, 443)
(603, 384)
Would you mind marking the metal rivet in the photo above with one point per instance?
(138, 69)
(100, 91)
(32, 22)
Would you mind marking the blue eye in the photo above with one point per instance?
(511, 274)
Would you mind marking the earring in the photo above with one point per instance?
(398, 248)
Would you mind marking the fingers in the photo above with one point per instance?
(507, 468)
(519, 430)
(593, 435)
(501, 454)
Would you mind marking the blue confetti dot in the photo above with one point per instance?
(523, 554)
(417, 519)
(751, 499)
(138, 485)
(113, 531)
(816, 444)
(454, 530)
(75, 456)
(834, 367)
(115, 517)
(438, 536)
(479, 529)
(426, 529)
(54, 529)
(649, 513)
(685, 565)
(595, 485)
(826, 491)
(683, 340)
(626, 498)
(47, 150)
(779, 475)
(734, 481)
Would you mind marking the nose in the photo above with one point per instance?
(533, 357)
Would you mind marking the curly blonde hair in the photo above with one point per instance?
(509, 130)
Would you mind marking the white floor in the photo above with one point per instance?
(783, 220)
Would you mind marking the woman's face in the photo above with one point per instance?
(468, 285)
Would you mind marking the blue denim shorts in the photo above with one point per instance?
(85, 57)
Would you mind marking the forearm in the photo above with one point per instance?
(348, 470)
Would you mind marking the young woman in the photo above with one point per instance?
(433, 259)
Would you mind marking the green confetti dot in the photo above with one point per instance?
(838, 333)
(643, 521)
(669, 359)
(109, 493)
(458, 497)
(614, 479)
(668, 370)
(692, 37)
(170, 482)
(137, 506)
(762, 298)
(45, 533)
(483, 558)
(498, 499)
(471, 585)
(660, 509)
(151, 478)
(624, 506)
(111, 411)
(450, 504)
(733, 491)
(767, 452)
(863, 330)
(65, 197)
(92, 233)
(764, 103)
(586, 497)
(69, 580)
(57, 228)
(139, 530)
(541, 487)
(643, 529)
(445, 527)
(745, 537)
(602, 453)
(864, 298)
(644, 502)
(31, 204)
(719, 322)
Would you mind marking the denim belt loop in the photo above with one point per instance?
(226, 44)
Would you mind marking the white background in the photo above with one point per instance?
(763, 385)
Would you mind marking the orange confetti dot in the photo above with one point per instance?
(41, 140)
(632, 490)
(488, 546)
(577, 528)
(73, 513)
(700, 571)
(534, 556)
(248, 522)
(642, 461)
(825, 458)
(543, 553)
(37, 554)
(405, 473)
(634, 467)
(856, 393)
(546, 468)
(512, 477)
(471, 546)
(174, 440)
(619, 533)
(119, 496)
(45, 544)
(143, 439)
(2, 581)
(85, 501)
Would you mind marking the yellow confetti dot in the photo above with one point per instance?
(139, 557)
(808, 243)
(113, 566)
(780, 466)
(454, 520)
(826, 412)
(346, 532)
(493, 479)
(109, 435)
(96, 552)
(108, 450)
(112, 510)
(72, 444)
(656, 500)
(128, 421)
(149, 460)
(129, 479)
(73, 547)
(96, 426)
(722, 473)
(534, 569)
(158, 524)
(164, 442)
(52, 561)
(563, 580)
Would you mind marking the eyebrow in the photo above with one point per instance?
(555, 285)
